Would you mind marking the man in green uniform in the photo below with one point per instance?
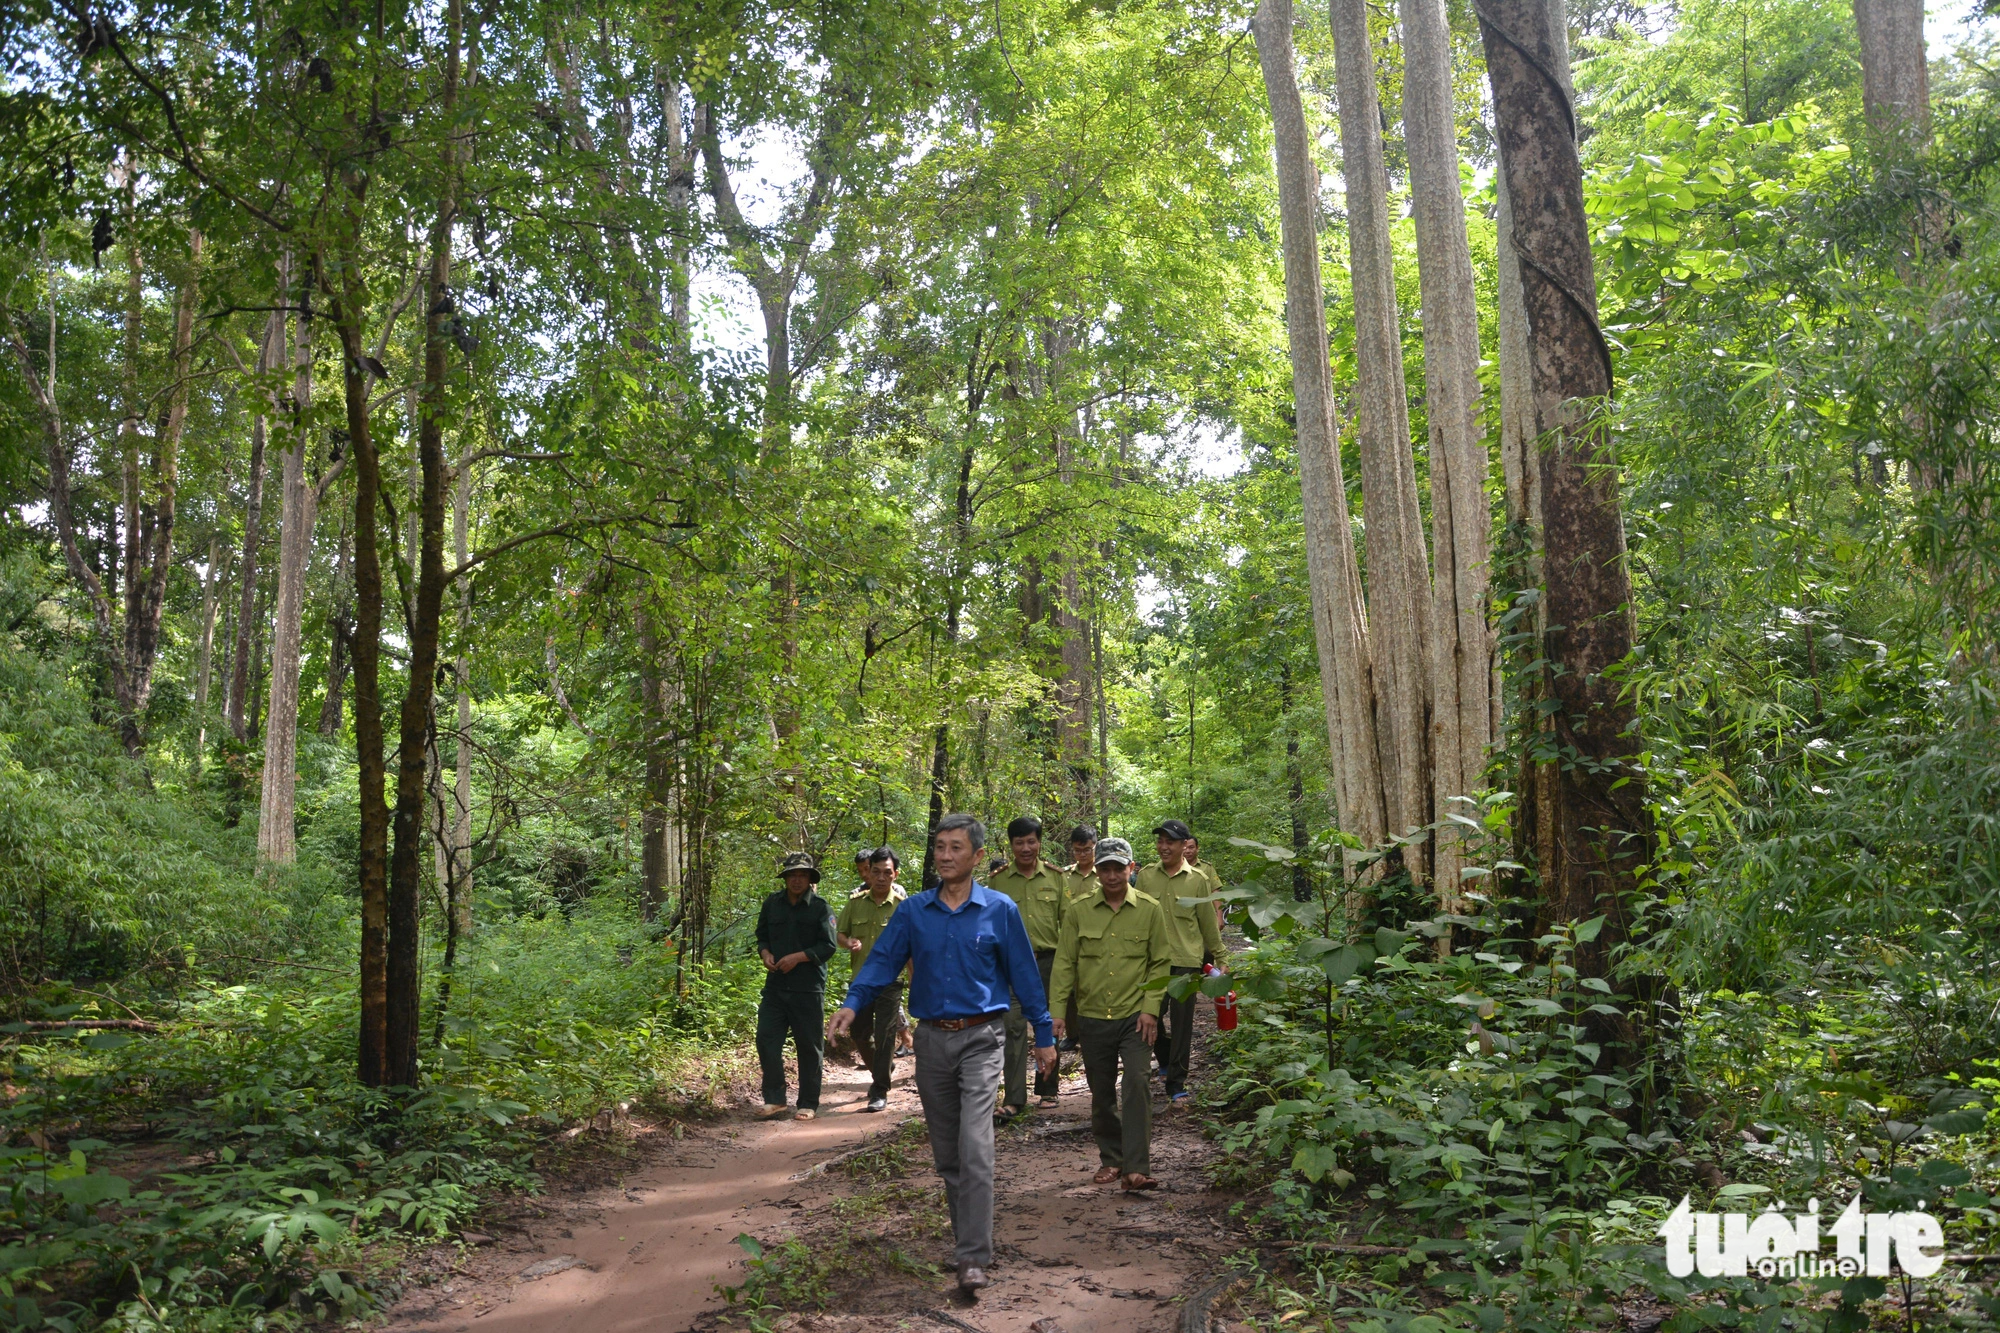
(1195, 939)
(1209, 872)
(1082, 867)
(1081, 872)
(1041, 892)
(861, 920)
(1114, 943)
(795, 938)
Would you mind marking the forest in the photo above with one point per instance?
(481, 481)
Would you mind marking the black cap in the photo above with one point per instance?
(1172, 828)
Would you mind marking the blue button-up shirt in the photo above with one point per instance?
(964, 963)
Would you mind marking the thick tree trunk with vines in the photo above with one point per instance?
(1333, 575)
(1462, 642)
(1591, 790)
(1399, 592)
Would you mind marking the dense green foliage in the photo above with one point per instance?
(1016, 529)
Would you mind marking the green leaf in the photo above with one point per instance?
(1314, 1161)
(751, 1245)
(1345, 961)
(1589, 930)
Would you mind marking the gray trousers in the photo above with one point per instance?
(958, 1078)
(1020, 1046)
(1122, 1125)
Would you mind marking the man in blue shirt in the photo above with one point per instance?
(969, 953)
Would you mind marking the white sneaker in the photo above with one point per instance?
(771, 1112)
(878, 1103)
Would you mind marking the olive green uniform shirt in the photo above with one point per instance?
(1082, 882)
(1192, 929)
(863, 919)
(1042, 898)
(1106, 957)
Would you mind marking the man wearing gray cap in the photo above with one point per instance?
(1113, 951)
(795, 937)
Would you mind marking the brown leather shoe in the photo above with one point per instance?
(1136, 1182)
(971, 1277)
(1105, 1175)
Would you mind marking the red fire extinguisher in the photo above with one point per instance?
(1225, 1005)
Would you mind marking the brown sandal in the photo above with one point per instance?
(1135, 1182)
(1106, 1175)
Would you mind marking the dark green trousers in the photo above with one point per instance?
(1121, 1124)
(801, 1015)
(1174, 1048)
(1021, 1045)
(875, 1037)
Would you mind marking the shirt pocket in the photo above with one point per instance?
(985, 944)
(1092, 941)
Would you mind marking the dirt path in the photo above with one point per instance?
(649, 1252)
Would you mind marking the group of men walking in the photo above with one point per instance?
(1081, 953)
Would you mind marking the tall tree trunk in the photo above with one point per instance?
(42, 388)
(461, 805)
(659, 860)
(129, 450)
(211, 582)
(1895, 69)
(1295, 790)
(406, 869)
(1462, 642)
(1602, 830)
(340, 629)
(1399, 594)
(276, 837)
(1333, 576)
(347, 298)
(253, 509)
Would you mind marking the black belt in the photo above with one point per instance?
(961, 1024)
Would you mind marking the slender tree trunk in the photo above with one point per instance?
(1462, 642)
(1295, 790)
(348, 301)
(659, 870)
(205, 653)
(340, 629)
(406, 870)
(253, 721)
(253, 509)
(42, 388)
(461, 823)
(1602, 831)
(276, 838)
(1399, 594)
(1340, 631)
(129, 450)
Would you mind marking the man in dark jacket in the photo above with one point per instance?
(795, 937)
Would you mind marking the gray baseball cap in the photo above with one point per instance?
(1114, 850)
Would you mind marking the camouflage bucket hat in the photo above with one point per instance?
(799, 861)
(1114, 850)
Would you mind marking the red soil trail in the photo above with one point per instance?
(649, 1252)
